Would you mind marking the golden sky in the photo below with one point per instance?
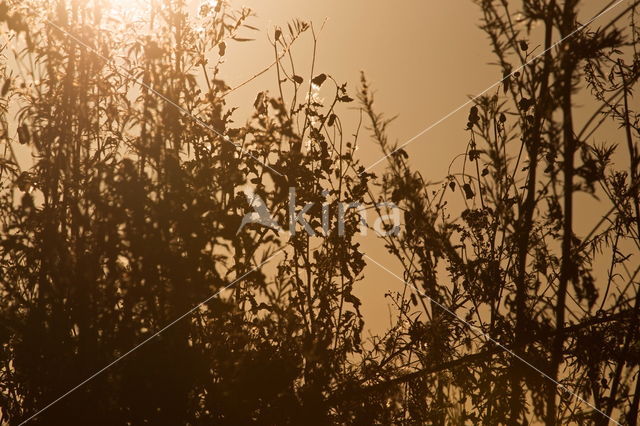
(424, 58)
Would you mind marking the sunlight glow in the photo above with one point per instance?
(130, 9)
(210, 3)
(137, 9)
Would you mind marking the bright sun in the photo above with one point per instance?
(138, 8)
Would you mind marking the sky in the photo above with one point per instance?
(424, 58)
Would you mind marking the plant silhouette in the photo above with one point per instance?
(121, 230)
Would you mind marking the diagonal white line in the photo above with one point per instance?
(487, 337)
(473, 99)
(120, 70)
(148, 339)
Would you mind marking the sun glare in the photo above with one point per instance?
(137, 9)
(210, 3)
(130, 9)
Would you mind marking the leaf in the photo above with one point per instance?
(468, 192)
(23, 134)
(24, 182)
(346, 98)
(452, 185)
(319, 79)
(348, 297)
(278, 34)
(5, 87)
(259, 99)
(506, 80)
(396, 196)
(473, 117)
(331, 121)
(400, 152)
(222, 48)
(524, 104)
(297, 79)
(524, 45)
